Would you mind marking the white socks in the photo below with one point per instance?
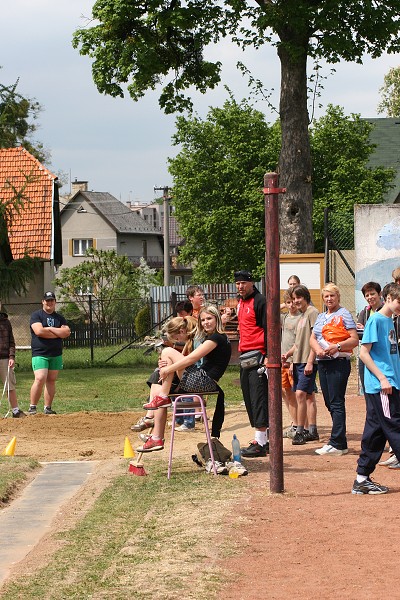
(261, 437)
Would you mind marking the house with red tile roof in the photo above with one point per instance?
(35, 229)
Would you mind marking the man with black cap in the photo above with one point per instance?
(252, 322)
(48, 329)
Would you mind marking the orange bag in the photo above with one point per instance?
(335, 332)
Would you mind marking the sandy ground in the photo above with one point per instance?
(316, 539)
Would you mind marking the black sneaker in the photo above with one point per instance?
(368, 487)
(18, 415)
(49, 411)
(254, 450)
(299, 439)
(310, 437)
(32, 410)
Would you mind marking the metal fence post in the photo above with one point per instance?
(91, 336)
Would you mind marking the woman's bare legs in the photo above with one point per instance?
(171, 356)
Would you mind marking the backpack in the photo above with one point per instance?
(221, 454)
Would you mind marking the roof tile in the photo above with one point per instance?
(21, 173)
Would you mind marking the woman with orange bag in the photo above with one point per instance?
(333, 338)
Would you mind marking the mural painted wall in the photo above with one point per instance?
(377, 245)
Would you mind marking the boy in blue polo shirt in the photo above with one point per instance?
(380, 355)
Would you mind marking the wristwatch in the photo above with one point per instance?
(339, 347)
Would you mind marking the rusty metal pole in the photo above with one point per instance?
(271, 192)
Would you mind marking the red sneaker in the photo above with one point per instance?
(158, 402)
(151, 445)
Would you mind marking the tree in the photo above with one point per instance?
(217, 179)
(147, 43)
(17, 122)
(219, 205)
(390, 92)
(14, 274)
(341, 175)
(111, 279)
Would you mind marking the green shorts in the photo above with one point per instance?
(51, 363)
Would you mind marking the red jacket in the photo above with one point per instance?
(252, 320)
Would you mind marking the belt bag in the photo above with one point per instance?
(249, 360)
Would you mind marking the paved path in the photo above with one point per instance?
(28, 518)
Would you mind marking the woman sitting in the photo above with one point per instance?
(178, 333)
(215, 350)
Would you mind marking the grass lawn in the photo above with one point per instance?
(14, 471)
(107, 389)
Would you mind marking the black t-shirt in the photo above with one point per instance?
(216, 361)
(46, 346)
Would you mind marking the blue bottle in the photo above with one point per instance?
(236, 454)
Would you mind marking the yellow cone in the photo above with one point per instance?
(128, 450)
(10, 448)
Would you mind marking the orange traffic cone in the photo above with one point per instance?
(128, 450)
(10, 448)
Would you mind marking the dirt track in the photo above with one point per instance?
(316, 539)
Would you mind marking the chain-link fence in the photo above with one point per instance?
(105, 332)
(339, 255)
(97, 332)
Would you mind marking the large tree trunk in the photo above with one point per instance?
(295, 219)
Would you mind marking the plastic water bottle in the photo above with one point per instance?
(236, 454)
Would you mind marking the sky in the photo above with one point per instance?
(117, 145)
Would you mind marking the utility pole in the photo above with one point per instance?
(166, 198)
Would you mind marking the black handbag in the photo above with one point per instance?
(197, 381)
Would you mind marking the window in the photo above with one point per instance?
(80, 246)
(84, 291)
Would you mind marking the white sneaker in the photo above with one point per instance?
(328, 449)
(184, 427)
(220, 467)
(237, 466)
(289, 432)
(389, 461)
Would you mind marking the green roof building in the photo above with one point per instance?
(386, 137)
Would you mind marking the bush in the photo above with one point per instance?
(72, 313)
(143, 321)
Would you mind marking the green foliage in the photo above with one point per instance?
(14, 274)
(108, 277)
(72, 313)
(17, 122)
(217, 179)
(143, 321)
(140, 45)
(341, 176)
(145, 44)
(390, 92)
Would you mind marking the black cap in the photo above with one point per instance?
(49, 296)
(243, 276)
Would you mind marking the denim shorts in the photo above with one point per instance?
(304, 383)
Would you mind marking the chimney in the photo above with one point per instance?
(79, 186)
